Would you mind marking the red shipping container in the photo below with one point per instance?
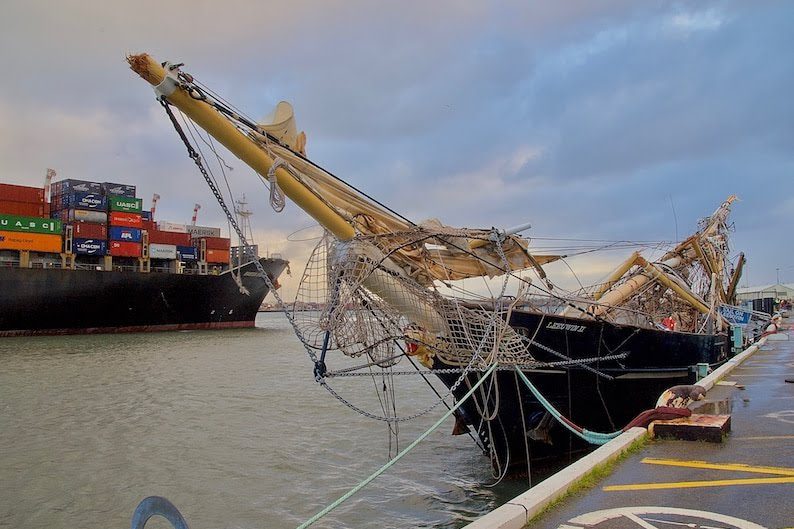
(218, 256)
(89, 230)
(14, 193)
(124, 219)
(169, 237)
(214, 243)
(124, 249)
(147, 225)
(24, 209)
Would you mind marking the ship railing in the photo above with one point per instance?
(87, 266)
(15, 263)
(39, 264)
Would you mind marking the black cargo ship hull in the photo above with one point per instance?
(37, 301)
(521, 433)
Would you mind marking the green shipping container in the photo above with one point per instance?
(29, 224)
(130, 205)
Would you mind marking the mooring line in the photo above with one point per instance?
(399, 456)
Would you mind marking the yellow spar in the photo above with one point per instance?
(243, 147)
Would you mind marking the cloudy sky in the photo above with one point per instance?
(613, 120)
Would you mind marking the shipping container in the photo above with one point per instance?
(124, 249)
(90, 201)
(146, 215)
(30, 224)
(71, 185)
(120, 233)
(203, 231)
(15, 193)
(118, 190)
(147, 225)
(169, 237)
(89, 230)
(187, 253)
(80, 215)
(162, 251)
(90, 246)
(122, 218)
(36, 242)
(214, 243)
(218, 256)
(171, 226)
(130, 205)
(27, 209)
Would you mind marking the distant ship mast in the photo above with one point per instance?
(244, 220)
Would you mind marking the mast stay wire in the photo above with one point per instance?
(227, 109)
(197, 93)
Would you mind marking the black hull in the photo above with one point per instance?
(37, 301)
(655, 361)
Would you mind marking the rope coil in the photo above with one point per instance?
(277, 198)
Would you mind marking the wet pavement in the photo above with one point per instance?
(745, 482)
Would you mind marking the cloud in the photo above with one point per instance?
(686, 23)
(585, 119)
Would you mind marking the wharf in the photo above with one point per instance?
(746, 481)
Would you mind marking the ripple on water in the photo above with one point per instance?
(230, 426)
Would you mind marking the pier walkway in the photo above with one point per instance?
(746, 482)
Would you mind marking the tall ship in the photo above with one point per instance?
(78, 256)
(531, 370)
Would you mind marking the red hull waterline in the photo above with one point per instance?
(132, 328)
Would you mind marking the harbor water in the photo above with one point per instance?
(228, 425)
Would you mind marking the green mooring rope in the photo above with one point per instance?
(596, 438)
(399, 456)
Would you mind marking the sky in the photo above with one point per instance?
(612, 120)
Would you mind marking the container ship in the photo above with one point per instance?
(89, 259)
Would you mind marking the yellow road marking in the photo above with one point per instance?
(737, 467)
(764, 438)
(698, 484)
(734, 467)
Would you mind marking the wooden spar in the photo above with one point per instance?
(619, 295)
(243, 147)
(682, 254)
(617, 274)
(730, 294)
(701, 255)
(663, 278)
(609, 282)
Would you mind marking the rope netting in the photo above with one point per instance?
(367, 306)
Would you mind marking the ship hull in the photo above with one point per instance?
(38, 301)
(521, 432)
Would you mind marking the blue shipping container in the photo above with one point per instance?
(71, 185)
(118, 190)
(93, 201)
(119, 233)
(90, 246)
(146, 215)
(187, 253)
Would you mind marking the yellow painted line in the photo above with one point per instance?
(698, 484)
(737, 467)
(768, 375)
(764, 438)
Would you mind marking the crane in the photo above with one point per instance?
(155, 198)
(47, 181)
(196, 209)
